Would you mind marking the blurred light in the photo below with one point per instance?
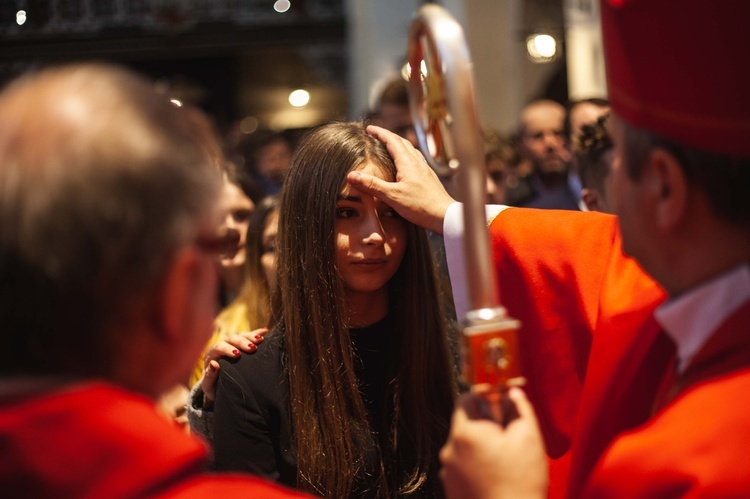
(406, 70)
(282, 5)
(541, 47)
(249, 124)
(299, 98)
(176, 102)
(20, 17)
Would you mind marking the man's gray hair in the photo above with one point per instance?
(102, 180)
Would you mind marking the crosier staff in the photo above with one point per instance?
(445, 118)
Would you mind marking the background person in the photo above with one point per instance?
(581, 113)
(594, 157)
(249, 314)
(237, 207)
(392, 110)
(544, 145)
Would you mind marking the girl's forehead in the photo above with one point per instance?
(375, 169)
(370, 168)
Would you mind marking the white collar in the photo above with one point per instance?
(693, 317)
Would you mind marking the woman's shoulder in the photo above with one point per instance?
(260, 371)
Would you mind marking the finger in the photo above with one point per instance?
(221, 349)
(471, 404)
(395, 144)
(374, 186)
(212, 370)
(524, 407)
(259, 333)
(256, 335)
(208, 381)
(465, 407)
(242, 342)
(382, 134)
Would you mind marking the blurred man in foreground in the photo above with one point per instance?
(108, 210)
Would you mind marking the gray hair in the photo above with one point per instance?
(102, 180)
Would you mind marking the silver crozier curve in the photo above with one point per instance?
(445, 115)
(444, 111)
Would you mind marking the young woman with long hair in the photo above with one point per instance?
(352, 391)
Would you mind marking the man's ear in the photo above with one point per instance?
(178, 294)
(592, 199)
(668, 186)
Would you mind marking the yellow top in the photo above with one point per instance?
(233, 319)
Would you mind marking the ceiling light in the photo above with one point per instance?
(541, 47)
(299, 98)
(282, 5)
(20, 17)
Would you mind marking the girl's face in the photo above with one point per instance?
(237, 208)
(370, 238)
(268, 258)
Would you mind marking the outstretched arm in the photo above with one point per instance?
(417, 194)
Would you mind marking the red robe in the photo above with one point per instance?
(99, 441)
(590, 347)
(697, 444)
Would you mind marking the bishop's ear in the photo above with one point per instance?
(592, 199)
(668, 185)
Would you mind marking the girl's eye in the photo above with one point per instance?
(241, 215)
(345, 213)
(390, 213)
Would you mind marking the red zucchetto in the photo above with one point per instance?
(690, 85)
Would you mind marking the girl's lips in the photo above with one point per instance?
(370, 261)
(370, 265)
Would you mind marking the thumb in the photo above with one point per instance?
(524, 407)
(208, 381)
(372, 185)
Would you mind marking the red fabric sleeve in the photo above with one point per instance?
(550, 267)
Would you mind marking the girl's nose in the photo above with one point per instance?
(373, 229)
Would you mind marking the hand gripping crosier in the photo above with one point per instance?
(447, 126)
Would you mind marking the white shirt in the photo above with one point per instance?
(693, 317)
(453, 232)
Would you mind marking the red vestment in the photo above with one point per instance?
(590, 346)
(697, 444)
(99, 441)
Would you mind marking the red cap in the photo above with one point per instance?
(681, 68)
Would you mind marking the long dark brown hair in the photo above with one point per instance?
(256, 291)
(328, 413)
